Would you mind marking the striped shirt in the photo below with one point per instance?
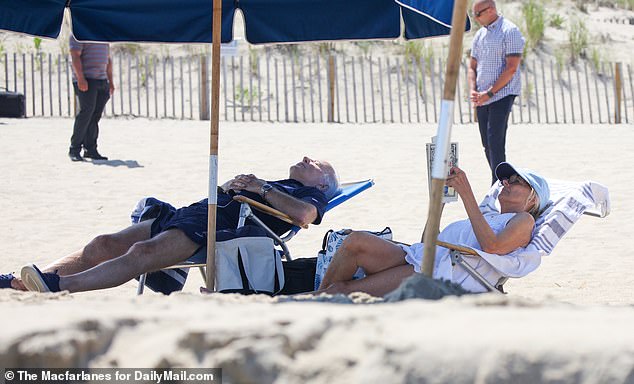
(491, 45)
(94, 58)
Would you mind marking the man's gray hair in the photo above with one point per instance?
(332, 182)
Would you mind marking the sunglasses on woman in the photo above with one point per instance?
(515, 179)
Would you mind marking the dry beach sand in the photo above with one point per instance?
(569, 321)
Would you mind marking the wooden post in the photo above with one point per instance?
(331, 88)
(204, 89)
(618, 88)
(605, 87)
(213, 146)
(439, 171)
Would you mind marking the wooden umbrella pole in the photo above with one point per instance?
(443, 138)
(213, 145)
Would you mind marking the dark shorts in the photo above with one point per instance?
(192, 220)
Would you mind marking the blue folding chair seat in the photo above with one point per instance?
(173, 278)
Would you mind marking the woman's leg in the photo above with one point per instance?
(378, 284)
(362, 249)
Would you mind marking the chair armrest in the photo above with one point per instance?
(459, 248)
(268, 210)
(457, 259)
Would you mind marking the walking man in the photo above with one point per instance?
(92, 81)
(494, 77)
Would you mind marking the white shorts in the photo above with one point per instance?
(442, 264)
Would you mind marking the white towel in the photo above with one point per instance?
(568, 201)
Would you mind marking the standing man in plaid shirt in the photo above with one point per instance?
(494, 77)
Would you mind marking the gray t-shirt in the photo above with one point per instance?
(94, 58)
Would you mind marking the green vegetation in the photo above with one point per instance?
(326, 48)
(365, 47)
(146, 68)
(415, 50)
(626, 4)
(128, 49)
(582, 5)
(595, 58)
(63, 45)
(578, 39)
(246, 97)
(38, 43)
(556, 21)
(253, 61)
(559, 61)
(535, 17)
(528, 90)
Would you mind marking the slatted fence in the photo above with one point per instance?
(338, 88)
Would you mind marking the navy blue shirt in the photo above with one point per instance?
(228, 211)
(192, 220)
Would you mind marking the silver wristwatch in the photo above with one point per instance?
(264, 189)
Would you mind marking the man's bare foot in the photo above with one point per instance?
(18, 285)
(10, 281)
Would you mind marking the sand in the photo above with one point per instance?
(569, 321)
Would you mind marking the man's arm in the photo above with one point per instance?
(109, 74)
(75, 56)
(512, 63)
(472, 76)
(299, 211)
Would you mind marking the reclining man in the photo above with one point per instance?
(113, 259)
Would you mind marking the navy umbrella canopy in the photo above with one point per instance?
(266, 21)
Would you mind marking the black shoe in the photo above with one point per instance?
(75, 156)
(5, 280)
(94, 155)
(38, 281)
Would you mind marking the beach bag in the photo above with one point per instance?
(248, 264)
(12, 104)
(332, 241)
(299, 275)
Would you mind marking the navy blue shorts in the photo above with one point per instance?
(192, 220)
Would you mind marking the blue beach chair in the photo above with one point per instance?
(173, 278)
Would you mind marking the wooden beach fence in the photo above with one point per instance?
(178, 87)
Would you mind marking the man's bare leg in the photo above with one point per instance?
(361, 249)
(168, 248)
(100, 249)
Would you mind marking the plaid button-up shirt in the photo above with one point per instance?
(491, 45)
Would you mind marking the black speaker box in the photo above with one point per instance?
(12, 104)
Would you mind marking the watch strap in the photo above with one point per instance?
(264, 189)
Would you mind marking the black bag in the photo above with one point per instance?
(299, 275)
(12, 104)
